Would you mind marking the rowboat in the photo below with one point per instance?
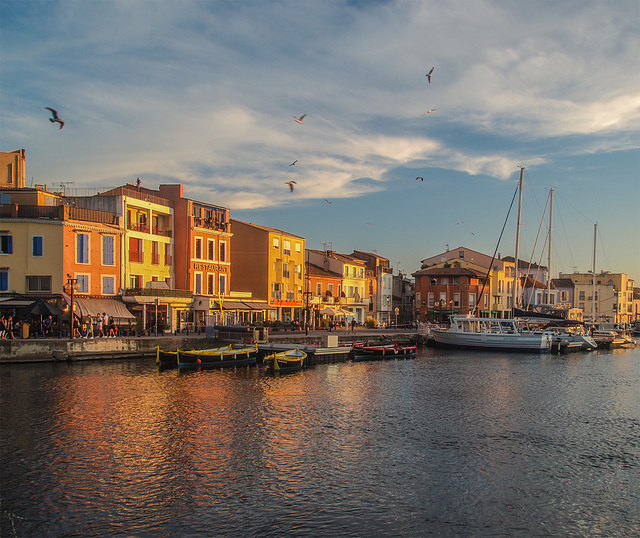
(286, 361)
(220, 357)
(387, 351)
(166, 359)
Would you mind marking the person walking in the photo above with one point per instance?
(89, 327)
(99, 331)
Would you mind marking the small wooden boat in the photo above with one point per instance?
(221, 357)
(286, 361)
(383, 351)
(166, 359)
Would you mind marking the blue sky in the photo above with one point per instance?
(204, 94)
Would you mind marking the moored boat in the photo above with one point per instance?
(286, 361)
(166, 359)
(221, 357)
(491, 334)
(364, 350)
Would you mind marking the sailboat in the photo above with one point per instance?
(566, 335)
(494, 334)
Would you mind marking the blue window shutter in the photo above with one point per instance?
(37, 245)
(4, 280)
(107, 250)
(10, 244)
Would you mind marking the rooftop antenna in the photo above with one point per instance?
(63, 185)
(327, 244)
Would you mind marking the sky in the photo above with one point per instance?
(205, 93)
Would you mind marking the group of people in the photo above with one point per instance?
(104, 327)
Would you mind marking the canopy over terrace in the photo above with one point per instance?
(248, 311)
(93, 307)
(335, 311)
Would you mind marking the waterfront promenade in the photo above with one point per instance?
(126, 347)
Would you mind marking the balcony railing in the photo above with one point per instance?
(158, 292)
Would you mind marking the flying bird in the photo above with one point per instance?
(294, 162)
(55, 118)
(291, 184)
(419, 178)
(327, 201)
(458, 223)
(429, 74)
(430, 111)
(299, 120)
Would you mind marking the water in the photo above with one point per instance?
(446, 444)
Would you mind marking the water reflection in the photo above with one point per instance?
(441, 444)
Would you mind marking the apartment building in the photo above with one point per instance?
(604, 297)
(269, 264)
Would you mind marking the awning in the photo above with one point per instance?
(335, 311)
(93, 307)
(242, 305)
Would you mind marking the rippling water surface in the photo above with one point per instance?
(446, 444)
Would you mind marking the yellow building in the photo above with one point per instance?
(608, 298)
(351, 296)
(12, 169)
(269, 263)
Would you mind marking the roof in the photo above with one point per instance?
(562, 283)
(448, 271)
(319, 272)
(264, 228)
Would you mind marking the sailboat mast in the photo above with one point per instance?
(516, 292)
(593, 274)
(549, 252)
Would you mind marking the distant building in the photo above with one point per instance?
(12, 170)
(378, 288)
(604, 298)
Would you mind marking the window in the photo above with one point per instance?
(155, 253)
(222, 284)
(285, 270)
(286, 244)
(318, 288)
(136, 281)
(299, 270)
(456, 300)
(461, 254)
(107, 250)
(82, 248)
(211, 284)
(108, 284)
(472, 300)
(135, 250)
(83, 283)
(298, 247)
(211, 249)
(346, 270)
(198, 249)
(276, 242)
(223, 251)
(197, 284)
(167, 254)
(353, 272)
(37, 245)
(4, 279)
(330, 289)
(38, 283)
(6, 244)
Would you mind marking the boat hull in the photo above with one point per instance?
(286, 361)
(226, 357)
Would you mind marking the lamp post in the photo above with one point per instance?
(72, 283)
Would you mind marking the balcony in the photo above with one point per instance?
(138, 227)
(135, 256)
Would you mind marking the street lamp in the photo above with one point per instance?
(72, 284)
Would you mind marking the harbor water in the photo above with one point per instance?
(443, 444)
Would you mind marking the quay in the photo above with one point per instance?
(130, 347)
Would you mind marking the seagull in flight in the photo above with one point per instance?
(55, 118)
(294, 162)
(327, 201)
(299, 120)
(419, 178)
(291, 184)
(430, 111)
(429, 74)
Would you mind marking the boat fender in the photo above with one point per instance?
(198, 361)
